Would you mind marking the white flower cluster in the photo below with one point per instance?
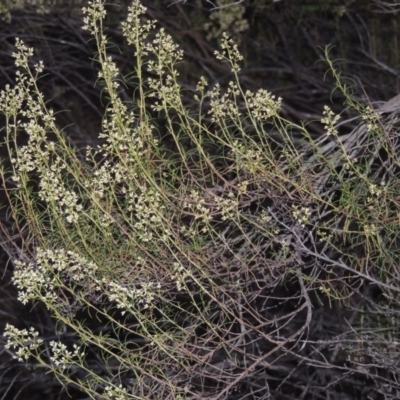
(266, 224)
(131, 298)
(11, 99)
(302, 215)
(52, 190)
(22, 342)
(181, 274)
(369, 116)
(42, 279)
(115, 393)
(324, 236)
(167, 91)
(376, 194)
(370, 229)
(167, 52)
(330, 120)
(109, 72)
(123, 138)
(230, 53)
(263, 105)
(349, 164)
(227, 206)
(94, 13)
(196, 205)
(201, 84)
(264, 217)
(26, 100)
(62, 357)
(376, 190)
(224, 106)
(247, 158)
(23, 54)
(146, 207)
(135, 29)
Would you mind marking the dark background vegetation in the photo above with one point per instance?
(283, 50)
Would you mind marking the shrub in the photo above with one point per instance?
(207, 250)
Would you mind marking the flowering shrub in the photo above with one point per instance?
(207, 265)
